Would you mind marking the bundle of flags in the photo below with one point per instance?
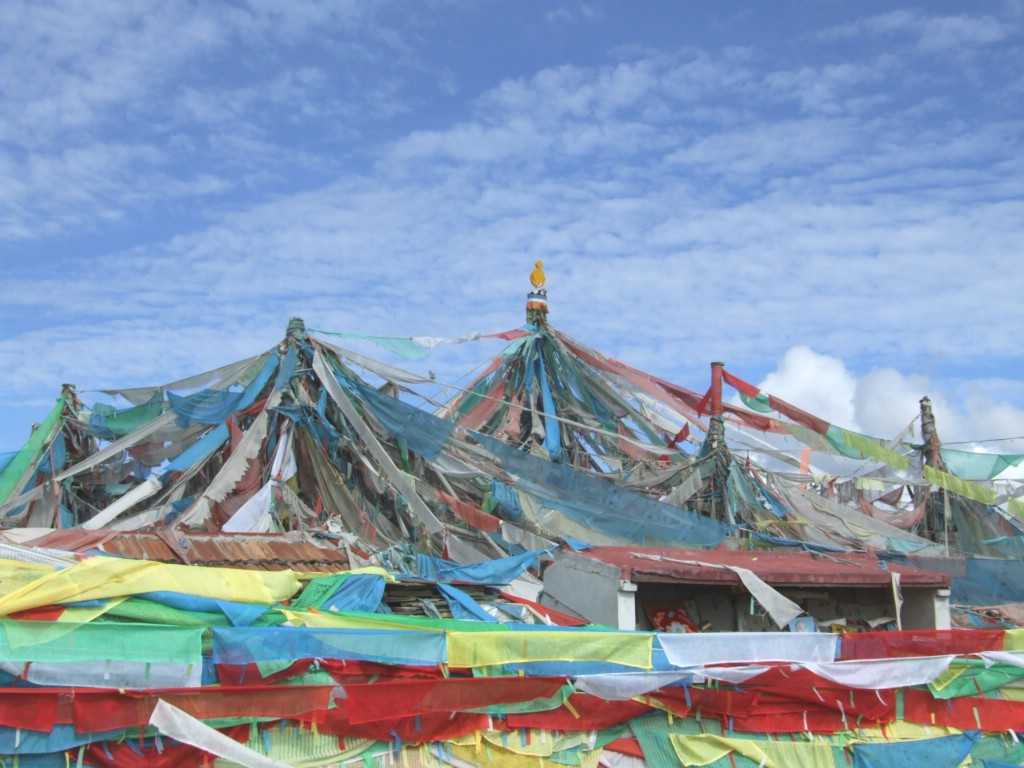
(113, 662)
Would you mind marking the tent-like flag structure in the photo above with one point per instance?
(285, 561)
(553, 443)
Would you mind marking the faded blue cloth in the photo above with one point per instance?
(86, 603)
(507, 500)
(552, 432)
(256, 386)
(575, 544)
(63, 736)
(199, 450)
(209, 672)
(207, 406)
(462, 605)
(599, 504)
(590, 501)
(250, 645)
(213, 406)
(362, 592)
(986, 582)
(59, 452)
(287, 369)
(945, 752)
(179, 506)
(659, 662)
(239, 614)
(424, 433)
(498, 572)
(53, 760)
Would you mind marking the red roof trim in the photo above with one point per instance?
(784, 569)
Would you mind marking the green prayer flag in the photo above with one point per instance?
(960, 487)
(30, 452)
(1016, 507)
(318, 591)
(857, 446)
(127, 420)
(45, 641)
(759, 403)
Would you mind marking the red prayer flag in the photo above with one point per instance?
(702, 406)
(680, 436)
(740, 385)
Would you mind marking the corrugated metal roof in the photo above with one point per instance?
(846, 569)
(260, 551)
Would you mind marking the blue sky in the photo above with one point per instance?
(828, 196)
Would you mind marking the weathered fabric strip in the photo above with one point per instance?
(964, 488)
(224, 376)
(139, 493)
(60, 642)
(705, 749)
(103, 577)
(179, 725)
(385, 371)
(483, 649)
(883, 673)
(19, 469)
(700, 648)
(404, 483)
(99, 673)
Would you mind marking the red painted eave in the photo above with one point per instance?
(258, 551)
(781, 569)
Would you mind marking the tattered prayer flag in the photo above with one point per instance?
(874, 449)
(741, 386)
(702, 406)
(759, 403)
(680, 436)
(960, 487)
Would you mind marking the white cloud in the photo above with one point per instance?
(151, 84)
(43, 193)
(573, 14)
(955, 32)
(817, 383)
(883, 401)
(691, 205)
(933, 34)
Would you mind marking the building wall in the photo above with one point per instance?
(731, 609)
(590, 589)
(593, 590)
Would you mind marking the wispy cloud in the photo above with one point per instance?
(933, 34)
(570, 13)
(100, 99)
(691, 203)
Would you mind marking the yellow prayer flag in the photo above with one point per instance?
(483, 649)
(103, 577)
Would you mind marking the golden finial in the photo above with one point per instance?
(537, 277)
(537, 299)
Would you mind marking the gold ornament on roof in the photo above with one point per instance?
(537, 299)
(537, 277)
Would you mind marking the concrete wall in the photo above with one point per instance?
(590, 589)
(593, 590)
(926, 609)
(730, 609)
